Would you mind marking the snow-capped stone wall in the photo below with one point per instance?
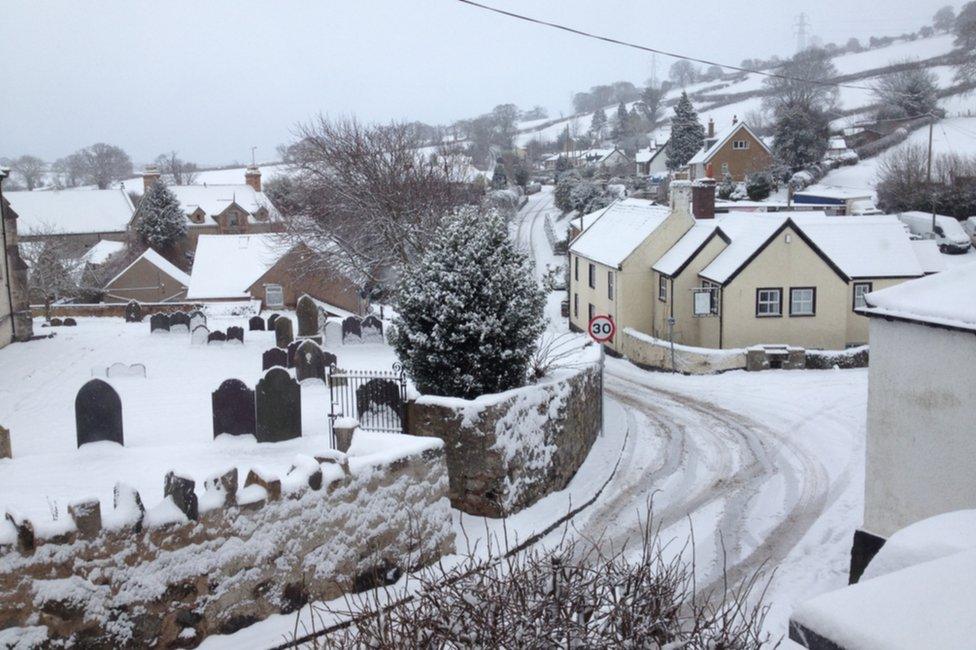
(507, 450)
(156, 578)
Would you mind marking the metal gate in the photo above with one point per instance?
(377, 399)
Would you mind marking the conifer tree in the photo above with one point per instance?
(161, 221)
(687, 134)
(470, 312)
(499, 179)
(621, 123)
(598, 124)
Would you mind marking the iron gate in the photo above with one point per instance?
(377, 399)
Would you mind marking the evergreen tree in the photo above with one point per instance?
(562, 164)
(499, 179)
(521, 173)
(800, 136)
(161, 221)
(598, 124)
(562, 195)
(470, 312)
(687, 134)
(621, 123)
(759, 186)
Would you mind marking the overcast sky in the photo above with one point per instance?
(211, 78)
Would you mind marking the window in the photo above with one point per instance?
(590, 311)
(769, 303)
(232, 220)
(740, 144)
(803, 301)
(591, 276)
(575, 305)
(274, 296)
(610, 285)
(725, 168)
(713, 295)
(576, 270)
(861, 289)
(662, 288)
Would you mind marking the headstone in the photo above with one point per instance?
(55, 322)
(128, 505)
(235, 333)
(292, 350)
(255, 324)
(70, 322)
(329, 359)
(226, 484)
(351, 327)
(133, 312)
(372, 329)
(98, 413)
(283, 332)
(309, 362)
(125, 370)
(87, 517)
(5, 450)
(274, 357)
(216, 337)
(271, 320)
(197, 318)
(308, 316)
(233, 408)
(159, 323)
(200, 335)
(378, 393)
(179, 322)
(180, 489)
(278, 402)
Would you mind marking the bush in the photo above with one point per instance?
(562, 195)
(582, 194)
(759, 186)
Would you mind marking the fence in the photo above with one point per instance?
(376, 399)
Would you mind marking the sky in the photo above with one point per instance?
(212, 78)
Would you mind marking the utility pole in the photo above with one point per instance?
(928, 172)
(801, 32)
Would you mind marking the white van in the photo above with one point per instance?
(948, 232)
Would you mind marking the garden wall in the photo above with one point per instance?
(140, 578)
(508, 450)
(113, 309)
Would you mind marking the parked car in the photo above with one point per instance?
(969, 225)
(948, 233)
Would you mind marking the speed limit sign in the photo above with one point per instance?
(602, 328)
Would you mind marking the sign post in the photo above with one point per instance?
(602, 329)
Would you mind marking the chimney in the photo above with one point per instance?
(711, 128)
(703, 199)
(735, 120)
(252, 176)
(681, 197)
(149, 176)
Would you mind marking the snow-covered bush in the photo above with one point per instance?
(161, 221)
(506, 202)
(726, 187)
(564, 188)
(759, 186)
(582, 194)
(470, 311)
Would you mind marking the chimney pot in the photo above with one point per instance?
(711, 128)
(149, 176)
(735, 119)
(252, 176)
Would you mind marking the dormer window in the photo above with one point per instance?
(232, 220)
(740, 144)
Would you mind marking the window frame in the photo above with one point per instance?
(779, 293)
(712, 287)
(870, 287)
(736, 145)
(267, 300)
(590, 312)
(662, 288)
(575, 305)
(813, 302)
(576, 270)
(591, 276)
(610, 284)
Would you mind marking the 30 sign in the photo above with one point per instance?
(602, 329)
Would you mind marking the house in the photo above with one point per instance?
(653, 160)
(15, 316)
(267, 268)
(838, 200)
(81, 218)
(736, 151)
(608, 159)
(771, 278)
(149, 278)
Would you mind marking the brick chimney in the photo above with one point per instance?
(703, 198)
(711, 128)
(735, 120)
(252, 176)
(681, 197)
(149, 176)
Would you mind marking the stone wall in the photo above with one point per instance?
(140, 578)
(116, 310)
(506, 451)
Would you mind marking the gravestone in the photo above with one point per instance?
(274, 357)
(351, 327)
(70, 322)
(133, 312)
(278, 402)
(200, 335)
(179, 322)
(181, 490)
(284, 334)
(308, 316)
(120, 369)
(329, 359)
(235, 333)
(216, 337)
(197, 318)
(55, 322)
(255, 324)
(371, 329)
(159, 323)
(271, 320)
(292, 350)
(376, 393)
(98, 413)
(5, 450)
(309, 361)
(233, 408)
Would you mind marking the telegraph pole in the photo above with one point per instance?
(928, 173)
(801, 32)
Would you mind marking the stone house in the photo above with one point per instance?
(737, 151)
(149, 278)
(265, 267)
(15, 317)
(735, 280)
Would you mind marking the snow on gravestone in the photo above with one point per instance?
(179, 322)
(235, 333)
(197, 318)
(70, 322)
(98, 413)
(216, 337)
(371, 329)
(308, 316)
(351, 327)
(255, 324)
(158, 323)
(309, 361)
(200, 335)
(5, 451)
(292, 350)
(278, 407)
(284, 334)
(274, 357)
(133, 312)
(233, 408)
(120, 369)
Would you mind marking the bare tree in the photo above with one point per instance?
(944, 19)
(367, 199)
(683, 72)
(803, 83)
(69, 171)
(176, 171)
(53, 269)
(30, 169)
(103, 164)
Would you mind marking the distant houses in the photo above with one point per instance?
(78, 217)
(736, 151)
(149, 278)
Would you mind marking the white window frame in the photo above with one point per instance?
(808, 305)
(765, 303)
(713, 288)
(740, 145)
(867, 287)
(268, 290)
(725, 168)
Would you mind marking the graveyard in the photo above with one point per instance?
(164, 382)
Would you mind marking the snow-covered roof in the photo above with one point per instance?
(102, 251)
(645, 155)
(214, 199)
(224, 266)
(680, 254)
(947, 298)
(618, 230)
(160, 263)
(748, 232)
(706, 152)
(834, 192)
(71, 211)
(928, 255)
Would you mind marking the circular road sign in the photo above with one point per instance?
(602, 328)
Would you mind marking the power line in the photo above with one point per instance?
(652, 50)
